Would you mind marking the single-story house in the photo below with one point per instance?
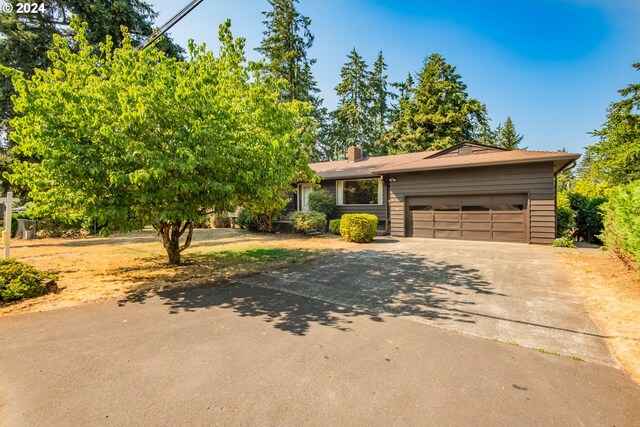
(469, 191)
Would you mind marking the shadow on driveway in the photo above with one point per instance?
(371, 282)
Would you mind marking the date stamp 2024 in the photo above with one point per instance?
(23, 7)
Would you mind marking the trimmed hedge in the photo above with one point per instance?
(359, 228)
(622, 222)
(19, 280)
(334, 226)
(308, 221)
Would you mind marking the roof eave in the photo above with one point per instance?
(570, 158)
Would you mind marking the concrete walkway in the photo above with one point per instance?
(510, 292)
(244, 355)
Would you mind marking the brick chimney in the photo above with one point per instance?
(354, 154)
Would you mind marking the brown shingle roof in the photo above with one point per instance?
(344, 169)
(481, 159)
(411, 162)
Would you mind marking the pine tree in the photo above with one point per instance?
(380, 108)
(353, 121)
(438, 112)
(286, 42)
(507, 137)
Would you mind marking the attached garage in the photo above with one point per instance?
(499, 217)
(467, 192)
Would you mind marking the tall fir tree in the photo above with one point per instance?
(509, 138)
(380, 108)
(285, 45)
(287, 40)
(353, 119)
(438, 113)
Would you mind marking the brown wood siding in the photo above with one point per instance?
(536, 180)
(378, 210)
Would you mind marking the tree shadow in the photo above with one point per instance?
(330, 290)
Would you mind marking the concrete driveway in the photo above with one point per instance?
(510, 292)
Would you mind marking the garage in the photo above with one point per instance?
(496, 217)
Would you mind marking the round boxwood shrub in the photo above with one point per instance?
(359, 228)
(19, 280)
(334, 226)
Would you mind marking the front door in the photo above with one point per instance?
(305, 190)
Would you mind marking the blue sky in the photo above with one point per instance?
(553, 66)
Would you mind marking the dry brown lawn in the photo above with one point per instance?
(610, 290)
(96, 268)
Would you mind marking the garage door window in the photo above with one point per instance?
(508, 207)
(476, 208)
(421, 208)
(447, 208)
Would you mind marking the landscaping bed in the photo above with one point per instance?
(610, 290)
(95, 268)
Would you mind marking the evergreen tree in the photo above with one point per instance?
(286, 42)
(438, 113)
(285, 45)
(353, 120)
(380, 109)
(616, 157)
(507, 136)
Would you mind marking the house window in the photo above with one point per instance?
(360, 192)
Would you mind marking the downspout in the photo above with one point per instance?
(387, 194)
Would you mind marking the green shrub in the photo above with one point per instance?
(321, 201)
(334, 226)
(622, 222)
(246, 220)
(359, 228)
(566, 221)
(308, 221)
(220, 221)
(563, 242)
(19, 280)
(588, 217)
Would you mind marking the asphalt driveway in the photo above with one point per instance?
(242, 354)
(510, 292)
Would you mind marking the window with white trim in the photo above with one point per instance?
(366, 191)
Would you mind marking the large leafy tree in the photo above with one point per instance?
(26, 38)
(129, 138)
(353, 119)
(438, 112)
(616, 157)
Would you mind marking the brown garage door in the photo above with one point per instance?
(500, 217)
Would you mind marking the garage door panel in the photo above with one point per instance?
(508, 236)
(476, 225)
(439, 216)
(447, 234)
(507, 226)
(422, 216)
(476, 235)
(476, 217)
(422, 233)
(507, 217)
(447, 225)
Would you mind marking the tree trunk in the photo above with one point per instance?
(171, 231)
